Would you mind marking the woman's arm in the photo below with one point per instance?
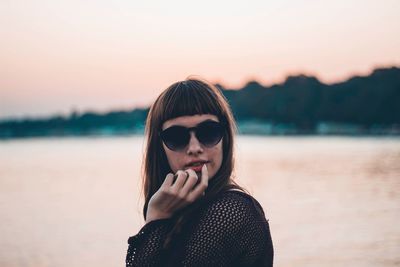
(146, 248)
(175, 195)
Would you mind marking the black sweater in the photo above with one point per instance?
(230, 231)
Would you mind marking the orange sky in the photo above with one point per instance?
(56, 56)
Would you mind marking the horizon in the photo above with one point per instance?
(66, 115)
(99, 56)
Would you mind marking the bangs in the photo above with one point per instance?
(188, 98)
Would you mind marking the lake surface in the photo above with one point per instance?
(72, 202)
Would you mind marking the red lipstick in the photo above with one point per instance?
(196, 165)
(197, 168)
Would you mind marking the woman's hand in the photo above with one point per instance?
(173, 196)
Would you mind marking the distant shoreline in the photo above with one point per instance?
(249, 128)
(302, 105)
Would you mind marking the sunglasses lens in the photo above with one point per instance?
(210, 133)
(176, 137)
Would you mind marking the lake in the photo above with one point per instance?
(330, 201)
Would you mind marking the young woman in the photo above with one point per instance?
(196, 215)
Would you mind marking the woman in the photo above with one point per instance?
(195, 214)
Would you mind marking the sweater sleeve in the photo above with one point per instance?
(145, 248)
(232, 231)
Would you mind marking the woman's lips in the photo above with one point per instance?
(197, 168)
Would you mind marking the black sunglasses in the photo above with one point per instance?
(209, 133)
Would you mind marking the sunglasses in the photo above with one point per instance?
(209, 133)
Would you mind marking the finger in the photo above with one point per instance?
(168, 181)
(200, 189)
(181, 179)
(204, 174)
(191, 181)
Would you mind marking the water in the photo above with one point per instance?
(74, 202)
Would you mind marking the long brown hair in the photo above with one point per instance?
(190, 97)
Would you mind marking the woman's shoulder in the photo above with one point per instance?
(241, 194)
(236, 203)
(233, 213)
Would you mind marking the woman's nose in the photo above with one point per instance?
(194, 146)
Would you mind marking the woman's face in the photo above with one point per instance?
(195, 154)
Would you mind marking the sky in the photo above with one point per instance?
(57, 56)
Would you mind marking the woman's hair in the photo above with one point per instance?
(190, 97)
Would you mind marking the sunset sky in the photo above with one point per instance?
(60, 55)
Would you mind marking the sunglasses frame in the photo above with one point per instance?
(193, 129)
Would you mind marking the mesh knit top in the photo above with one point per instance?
(231, 230)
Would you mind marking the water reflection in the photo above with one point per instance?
(73, 202)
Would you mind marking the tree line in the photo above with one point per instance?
(300, 101)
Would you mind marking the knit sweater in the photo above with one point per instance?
(231, 230)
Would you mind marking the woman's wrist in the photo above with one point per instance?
(156, 215)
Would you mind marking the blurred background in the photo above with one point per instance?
(314, 86)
